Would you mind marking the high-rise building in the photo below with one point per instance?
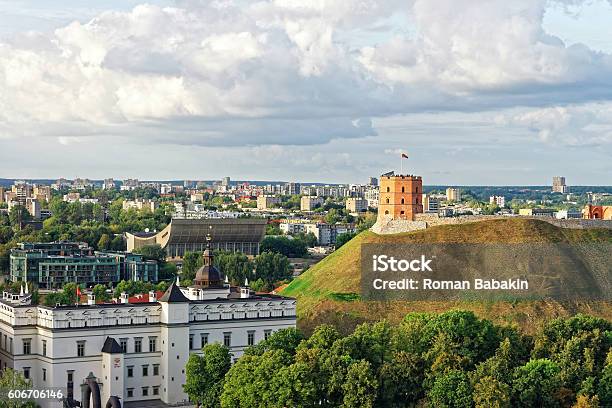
(356, 204)
(559, 185)
(430, 204)
(372, 195)
(130, 184)
(109, 184)
(499, 200)
(22, 191)
(453, 194)
(265, 202)
(400, 196)
(225, 181)
(309, 203)
(373, 181)
(42, 193)
(292, 188)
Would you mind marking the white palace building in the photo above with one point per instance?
(134, 353)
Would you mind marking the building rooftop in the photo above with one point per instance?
(174, 295)
(111, 346)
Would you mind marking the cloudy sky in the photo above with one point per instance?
(477, 92)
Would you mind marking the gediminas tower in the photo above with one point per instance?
(401, 197)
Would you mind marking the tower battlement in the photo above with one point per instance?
(401, 196)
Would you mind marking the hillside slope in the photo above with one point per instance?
(329, 291)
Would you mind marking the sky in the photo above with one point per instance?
(476, 93)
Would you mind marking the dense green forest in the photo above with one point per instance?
(443, 360)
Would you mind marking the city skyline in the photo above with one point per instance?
(328, 92)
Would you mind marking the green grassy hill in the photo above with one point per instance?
(329, 291)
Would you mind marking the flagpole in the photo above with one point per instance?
(401, 163)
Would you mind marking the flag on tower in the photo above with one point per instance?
(404, 156)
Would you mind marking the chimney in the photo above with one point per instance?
(152, 296)
(124, 297)
(91, 299)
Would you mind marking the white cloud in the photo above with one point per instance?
(229, 73)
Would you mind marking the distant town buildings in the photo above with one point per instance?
(453, 194)
(52, 265)
(130, 184)
(537, 212)
(292, 188)
(309, 203)
(559, 186)
(140, 203)
(356, 204)
(372, 195)
(431, 204)
(500, 201)
(327, 233)
(265, 202)
(108, 184)
(400, 196)
(568, 214)
(373, 181)
(81, 184)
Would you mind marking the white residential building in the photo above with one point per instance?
(309, 203)
(430, 204)
(139, 204)
(499, 200)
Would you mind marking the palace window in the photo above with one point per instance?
(145, 370)
(26, 373)
(27, 346)
(145, 391)
(138, 345)
(44, 347)
(155, 369)
(152, 343)
(130, 392)
(130, 371)
(44, 374)
(204, 339)
(80, 348)
(267, 334)
(227, 339)
(191, 342)
(250, 338)
(155, 390)
(123, 344)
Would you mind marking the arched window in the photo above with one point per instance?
(403, 189)
(388, 189)
(402, 201)
(387, 200)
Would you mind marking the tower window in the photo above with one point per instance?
(402, 199)
(403, 189)
(387, 212)
(388, 189)
(387, 200)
